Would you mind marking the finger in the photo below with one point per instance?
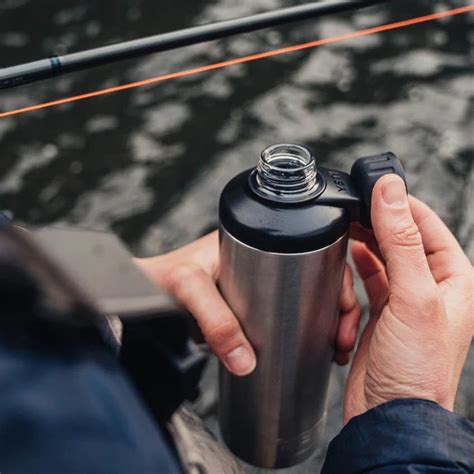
(445, 256)
(349, 317)
(348, 297)
(197, 292)
(203, 253)
(361, 234)
(372, 273)
(347, 331)
(400, 240)
(342, 358)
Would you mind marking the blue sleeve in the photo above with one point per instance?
(68, 408)
(403, 436)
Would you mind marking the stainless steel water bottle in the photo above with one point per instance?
(283, 242)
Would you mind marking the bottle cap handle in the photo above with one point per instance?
(366, 172)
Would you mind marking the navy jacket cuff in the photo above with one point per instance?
(403, 436)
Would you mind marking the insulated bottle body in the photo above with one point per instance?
(288, 307)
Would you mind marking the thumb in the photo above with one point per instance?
(399, 240)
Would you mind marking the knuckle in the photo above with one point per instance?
(348, 301)
(407, 234)
(223, 334)
(181, 277)
(348, 275)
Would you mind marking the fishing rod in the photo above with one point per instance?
(55, 65)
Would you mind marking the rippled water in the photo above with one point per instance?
(150, 163)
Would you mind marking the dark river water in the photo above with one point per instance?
(149, 163)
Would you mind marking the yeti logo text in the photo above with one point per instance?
(339, 182)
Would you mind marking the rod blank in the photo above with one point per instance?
(56, 65)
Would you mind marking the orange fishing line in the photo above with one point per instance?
(245, 59)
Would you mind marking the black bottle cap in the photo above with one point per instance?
(366, 172)
(274, 226)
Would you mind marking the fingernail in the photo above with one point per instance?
(240, 361)
(394, 192)
(342, 358)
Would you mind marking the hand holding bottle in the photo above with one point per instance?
(190, 275)
(420, 287)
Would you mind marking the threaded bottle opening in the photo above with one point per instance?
(286, 172)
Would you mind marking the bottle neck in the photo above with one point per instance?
(286, 173)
